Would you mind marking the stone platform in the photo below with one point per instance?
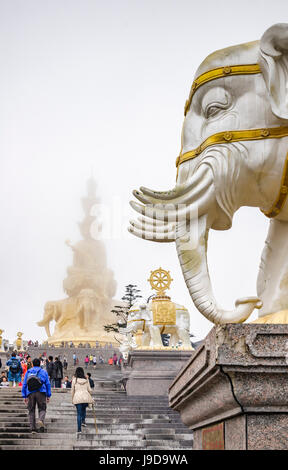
(233, 392)
(151, 372)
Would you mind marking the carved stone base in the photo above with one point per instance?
(233, 392)
(151, 372)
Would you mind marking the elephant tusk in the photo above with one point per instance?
(178, 191)
(171, 213)
(156, 226)
(190, 197)
(161, 237)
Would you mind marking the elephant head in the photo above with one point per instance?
(233, 153)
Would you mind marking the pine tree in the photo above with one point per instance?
(132, 293)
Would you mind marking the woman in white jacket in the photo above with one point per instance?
(81, 396)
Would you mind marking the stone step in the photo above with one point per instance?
(126, 415)
(109, 437)
(70, 407)
(123, 422)
(108, 428)
(13, 409)
(122, 443)
(44, 435)
(167, 436)
(15, 416)
(35, 441)
(31, 447)
(118, 412)
(108, 443)
(104, 422)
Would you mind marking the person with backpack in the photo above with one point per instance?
(15, 370)
(36, 390)
(81, 396)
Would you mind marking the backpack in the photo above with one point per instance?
(15, 366)
(34, 383)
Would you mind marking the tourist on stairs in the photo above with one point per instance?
(36, 390)
(81, 396)
(58, 372)
(15, 370)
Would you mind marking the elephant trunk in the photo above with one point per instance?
(46, 324)
(193, 260)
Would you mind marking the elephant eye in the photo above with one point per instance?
(214, 101)
(211, 111)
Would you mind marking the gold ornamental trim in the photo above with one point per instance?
(234, 136)
(247, 135)
(164, 313)
(220, 72)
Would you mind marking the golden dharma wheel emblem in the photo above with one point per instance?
(160, 280)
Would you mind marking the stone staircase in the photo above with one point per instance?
(124, 422)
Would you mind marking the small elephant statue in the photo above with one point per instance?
(141, 318)
(233, 153)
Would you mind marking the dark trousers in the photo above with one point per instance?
(58, 383)
(39, 399)
(81, 414)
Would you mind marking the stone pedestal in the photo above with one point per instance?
(151, 372)
(233, 392)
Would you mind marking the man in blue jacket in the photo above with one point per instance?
(36, 390)
(15, 370)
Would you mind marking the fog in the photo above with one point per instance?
(90, 85)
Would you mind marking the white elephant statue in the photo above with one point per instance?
(233, 154)
(141, 318)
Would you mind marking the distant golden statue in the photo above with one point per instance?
(90, 287)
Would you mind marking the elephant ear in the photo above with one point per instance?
(273, 61)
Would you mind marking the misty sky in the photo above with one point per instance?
(102, 84)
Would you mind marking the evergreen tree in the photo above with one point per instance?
(132, 293)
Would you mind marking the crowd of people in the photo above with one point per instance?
(15, 373)
(39, 376)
